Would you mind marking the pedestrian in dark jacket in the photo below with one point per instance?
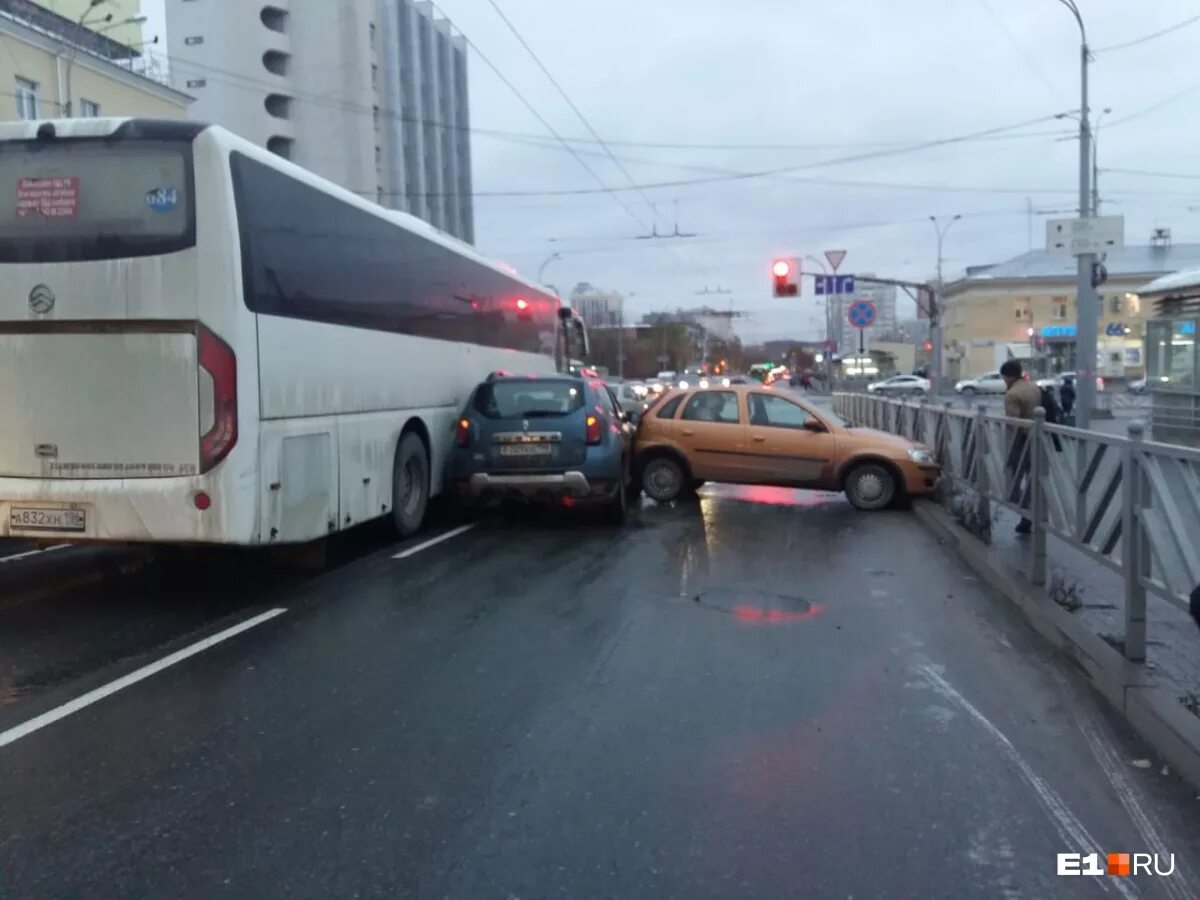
(1066, 395)
(1021, 400)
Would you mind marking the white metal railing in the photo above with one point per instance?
(1130, 504)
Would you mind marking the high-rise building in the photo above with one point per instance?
(112, 18)
(371, 94)
(598, 308)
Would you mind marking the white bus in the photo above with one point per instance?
(202, 343)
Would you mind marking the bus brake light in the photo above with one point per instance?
(218, 360)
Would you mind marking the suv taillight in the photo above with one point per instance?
(218, 360)
(462, 433)
(593, 429)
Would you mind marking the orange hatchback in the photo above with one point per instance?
(748, 434)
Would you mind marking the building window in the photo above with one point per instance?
(27, 99)
(197, 82)
(378, 158)
(280, 146)
(372, 26)
(276, 62)
(279, 106)
(374, 75)
(1021, 310)
(1116, 304)
(194, 40)
(375, 113)
(274, 18)
(1058, 309)
(89, 109)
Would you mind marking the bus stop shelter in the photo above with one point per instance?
(1172, 364)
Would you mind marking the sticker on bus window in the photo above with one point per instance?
(162, 199)
(54, 198)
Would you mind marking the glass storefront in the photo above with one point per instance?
(1171, 359)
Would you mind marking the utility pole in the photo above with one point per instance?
(1086, 303)
(935, 311)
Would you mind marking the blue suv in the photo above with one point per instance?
(555, 438)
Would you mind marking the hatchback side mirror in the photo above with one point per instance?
(814, 425)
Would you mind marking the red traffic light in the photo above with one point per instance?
(784, 273)
(928, 346)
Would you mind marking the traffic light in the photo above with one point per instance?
(785, 274)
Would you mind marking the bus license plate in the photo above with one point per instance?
(526, 450)
(24, 518)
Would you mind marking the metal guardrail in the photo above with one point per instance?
(1130, 504)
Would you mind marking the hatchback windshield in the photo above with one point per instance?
(541, 397)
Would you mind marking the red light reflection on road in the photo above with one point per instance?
(757, 616)
(777, 496)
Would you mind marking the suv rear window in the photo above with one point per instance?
(541, 397)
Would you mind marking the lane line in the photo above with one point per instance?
(1066, 823)
(100, 693)
(28, 553)
(1177, 885)
(453, 532)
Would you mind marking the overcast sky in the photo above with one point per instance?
(826, 80)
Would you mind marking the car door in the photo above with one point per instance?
(620, 419)
(711, 432)
(992, 383)
(781, 448)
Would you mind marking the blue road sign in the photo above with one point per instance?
(861, 314)
(834, 284)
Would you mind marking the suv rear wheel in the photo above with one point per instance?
(663, 479)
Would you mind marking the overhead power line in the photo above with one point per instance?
(1025, 54)
(1148, 174)
(1147, 37)
(545, 124)
(571, 103)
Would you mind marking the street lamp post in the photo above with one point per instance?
(1095, 163)
(67, 105)
(542, 269)
(935, 313)
(1086, 302)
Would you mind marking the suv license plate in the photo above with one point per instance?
(526, 450)
(25, 518)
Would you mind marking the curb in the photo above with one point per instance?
(1151, 709)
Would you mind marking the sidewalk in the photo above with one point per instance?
(1095, 595)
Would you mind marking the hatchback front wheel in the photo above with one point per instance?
(663, 479)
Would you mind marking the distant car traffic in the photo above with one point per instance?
(751, 435)
(1056, 381)
(627, 396)
(548, 439)
(987, 383)
(909, 385)
(1137, 386)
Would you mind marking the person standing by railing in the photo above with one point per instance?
(1021, 401)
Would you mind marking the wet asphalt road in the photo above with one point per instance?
(760, 694)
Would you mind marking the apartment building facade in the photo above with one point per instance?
(53, 67)
(371, 94)
(1026, 309)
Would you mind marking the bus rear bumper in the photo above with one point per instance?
(142, 510)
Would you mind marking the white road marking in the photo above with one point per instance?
(100, 693)
(28, 553)
(1066, 823)
(1177, 885)
(425, 545)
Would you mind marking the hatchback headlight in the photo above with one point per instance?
(921, 457)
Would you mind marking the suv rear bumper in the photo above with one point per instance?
(531, 484)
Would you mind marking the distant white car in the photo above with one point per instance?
(911, 385)
(1056, 381)
(987, 383)
(1137, 386)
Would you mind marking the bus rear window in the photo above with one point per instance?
(70, 200)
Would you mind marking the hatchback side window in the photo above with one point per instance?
(712, 406)
(668, 409)
(775, 412)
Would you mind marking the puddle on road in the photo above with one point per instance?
(755, 608)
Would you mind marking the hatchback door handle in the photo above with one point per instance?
(760, 440)
(687, 432)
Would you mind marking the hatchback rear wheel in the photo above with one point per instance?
(663, 479)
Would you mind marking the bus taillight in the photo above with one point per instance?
(218, 360)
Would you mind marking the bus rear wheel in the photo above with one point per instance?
(410, 485)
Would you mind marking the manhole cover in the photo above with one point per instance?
(752, 606)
